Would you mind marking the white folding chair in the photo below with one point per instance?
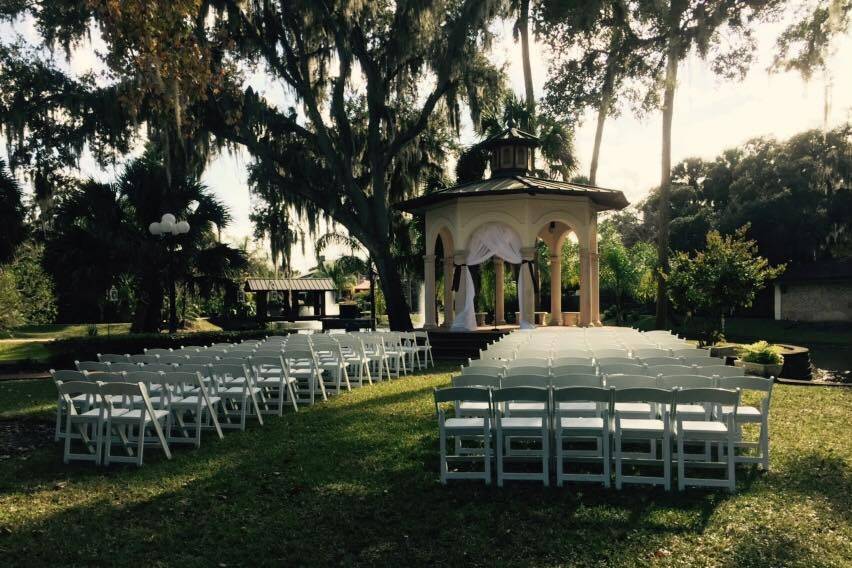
(668, 370)
(531, 426)
(586, 369)
(719, 371)
(659, 361)
(270, 375)
(301, 363)
(750, 414)
(471, 428)
(721, 431)
(186, 394)
(650, 353)
(124, 418)
(92, 366)
(425, 347)
(173, 359)
(85, 424)
(113, 358)
(622, 369)
(701, 361)
(650, 430)
(158, 352)
(238, 396)
(144, 359)
(482, 369)
(570, 425)
(606, 361)
(527, 370)
(562, 361)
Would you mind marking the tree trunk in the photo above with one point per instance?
(149, 305)
(523, 28)
(603, 112)
(672, 60)
(399, 317)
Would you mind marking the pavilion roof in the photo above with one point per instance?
(285, 284)
(516, 185)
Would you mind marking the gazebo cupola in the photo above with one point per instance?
(512, 152)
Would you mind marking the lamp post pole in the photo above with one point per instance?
(169, 228)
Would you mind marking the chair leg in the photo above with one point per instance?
(617, 453)
(499, 457)
(545, 458)
(681, 466)
(140, 446)
(560, 468)
(486, 437)
(444, 466)
(667, 461)
(606, 460)
(764, 445)
(732, 482)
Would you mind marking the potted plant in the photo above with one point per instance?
(761, 359)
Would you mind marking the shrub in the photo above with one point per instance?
(63, 352)
(10, 301)
(762, 353)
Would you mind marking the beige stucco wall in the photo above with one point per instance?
(824, 301)
(526, 214)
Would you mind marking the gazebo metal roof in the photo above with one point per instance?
(514, 185)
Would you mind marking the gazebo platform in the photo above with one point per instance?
(461, 345)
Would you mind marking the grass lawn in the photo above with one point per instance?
(355, 481)
(21, 351)
(66, 330)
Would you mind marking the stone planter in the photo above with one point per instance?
(759, 369)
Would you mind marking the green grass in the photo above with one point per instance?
(355, 481)
(797, 333)
(21, 351)
(65, 331)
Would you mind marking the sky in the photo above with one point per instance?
(711, 115)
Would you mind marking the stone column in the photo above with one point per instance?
(448, 291)
(585, 288)
(528, 253)
(430, 314)
(595, 299)
(499, 302)
(555, 288)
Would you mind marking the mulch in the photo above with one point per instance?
(21, 437)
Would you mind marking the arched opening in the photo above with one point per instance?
(489, 241)
(442, 295)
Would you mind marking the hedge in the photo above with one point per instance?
(63, 352)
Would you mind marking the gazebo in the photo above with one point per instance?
(501, 218)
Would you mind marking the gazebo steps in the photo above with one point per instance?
(457, 346)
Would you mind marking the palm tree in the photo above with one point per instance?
(101, 231)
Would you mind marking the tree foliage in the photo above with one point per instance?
(12, 214)
(805, 44)
(712, 282)
(11, 304)
(101, 233)
(796, 195)
(35, 286)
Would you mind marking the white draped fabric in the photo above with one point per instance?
(492, 239)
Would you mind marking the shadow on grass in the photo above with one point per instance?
(354, 482)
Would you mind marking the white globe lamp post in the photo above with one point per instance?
(169, 227)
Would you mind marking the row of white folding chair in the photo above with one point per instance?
(95, 424)
(503, 369)
(547, 410)
(758, 414)
(210, 394)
